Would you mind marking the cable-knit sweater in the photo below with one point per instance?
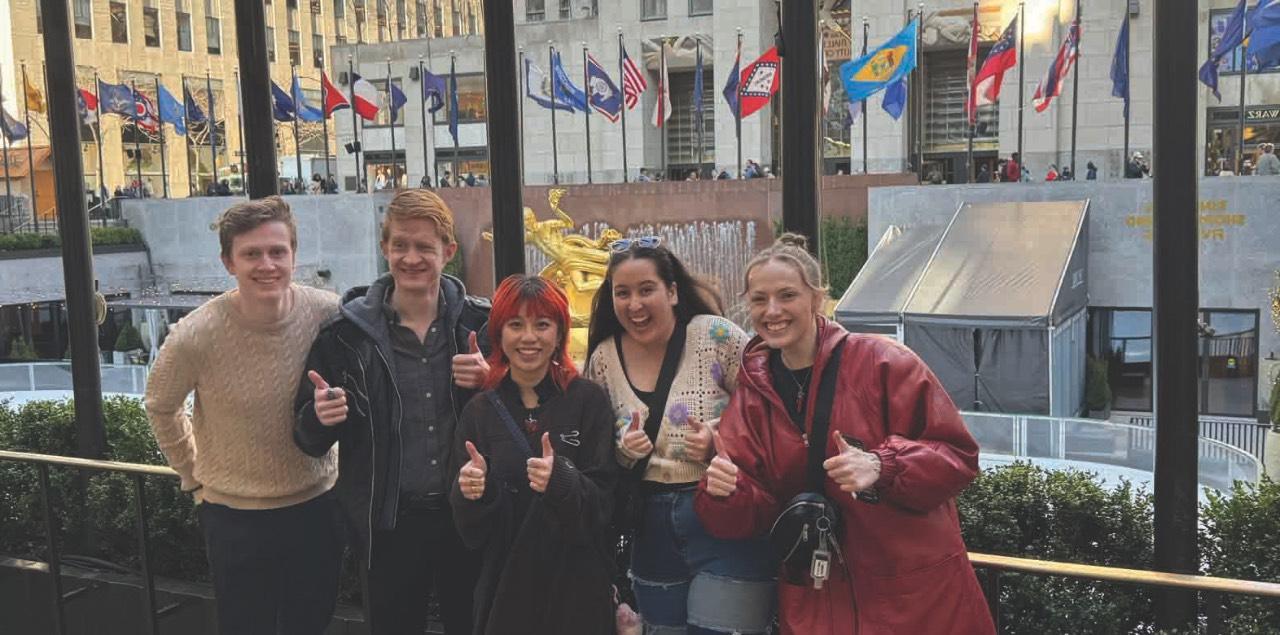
(236, 448)
(706, 377)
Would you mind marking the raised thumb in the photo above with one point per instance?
(842, 446)
(472, 345)
(317, 380)
(547, 452)
(719, 443)
(476, 459)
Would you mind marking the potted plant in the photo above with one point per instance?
(128, 342)
(1097, 390)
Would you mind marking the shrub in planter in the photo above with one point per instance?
(20, 348)
(1024, 510)
(128, 339)
(1097, 387)
(1238, 539)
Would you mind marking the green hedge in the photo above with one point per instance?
(101, 236)
(844, 250)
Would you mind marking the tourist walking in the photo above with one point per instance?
(1268, 163)
(848, 432)
(535, 466)
(386, 381)
(269, 520)
(669, 363)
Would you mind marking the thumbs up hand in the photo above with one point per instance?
(472, 475)
(698, 445)
(470, 369)
(852, 469)
(540, 468)
(722, 474)
(635, 443)
(330, 403)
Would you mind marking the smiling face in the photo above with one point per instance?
(262, 261)
(529, 343)
(782, 306)
(416, 254)
(643, 302)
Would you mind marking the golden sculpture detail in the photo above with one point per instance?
(578, 263)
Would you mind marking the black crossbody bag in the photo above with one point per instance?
(807, 533)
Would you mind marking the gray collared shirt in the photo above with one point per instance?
(423, 375)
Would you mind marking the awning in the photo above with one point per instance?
(881, 289)
(177, 301)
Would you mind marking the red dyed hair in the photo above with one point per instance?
(539, 298)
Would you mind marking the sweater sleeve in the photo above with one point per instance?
(475, 520)
(173, 378)
(751, 509)
(928, 455)
(729, 355)
(580, 494)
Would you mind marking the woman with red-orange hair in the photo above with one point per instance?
(534, 458)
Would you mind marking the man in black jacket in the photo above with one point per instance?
(386, 380)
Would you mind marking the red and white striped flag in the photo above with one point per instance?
(971, 67)
(633, 81)
(662, 110)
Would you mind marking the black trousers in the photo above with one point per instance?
(275, 571)
(422, 553)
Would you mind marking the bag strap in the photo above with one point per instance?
(504, 414)
(816, 475)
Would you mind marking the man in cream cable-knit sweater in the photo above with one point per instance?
(269, 521)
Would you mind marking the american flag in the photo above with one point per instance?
(1051, 85)
(633, 82)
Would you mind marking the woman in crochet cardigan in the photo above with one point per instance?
(669, 363)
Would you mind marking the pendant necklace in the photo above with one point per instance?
(803, 387)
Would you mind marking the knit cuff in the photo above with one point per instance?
(890, 467)
(564, 480)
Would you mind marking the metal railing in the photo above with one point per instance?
(37, 376)
(1250, 436)
(991, 565)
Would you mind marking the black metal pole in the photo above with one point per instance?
(1128, 102)
(866, 167)
(422, 100)
(1022, 82)
(520, 92)
(73, 226)
(297, 139)
(971, 70)
(324, 127)
(1175, 271)
(164, 169)
(664, 83)
(150, 619)
(1244, 82)
(622, 77)
(919, 93)
(4, 140)
(800, 115)
(453, 86)
(255, 100)
(504, 167)
(395, 179)
(737, 111)
(240, 127)
(555, 150)
(191, 180)
(31, 153)
(586, 114)
(697, 43)
(137, 140)
(356, 137)
(97, 89)
(1075, 88)
(212, 122)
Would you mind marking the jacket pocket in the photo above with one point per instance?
(931, 599)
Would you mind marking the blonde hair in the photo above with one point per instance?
(245, 217)
(790, 249)
(419, 204)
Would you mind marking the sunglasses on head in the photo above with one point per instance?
(624, 244)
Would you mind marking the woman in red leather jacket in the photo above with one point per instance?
(904, 568)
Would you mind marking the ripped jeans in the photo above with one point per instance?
(686, 581)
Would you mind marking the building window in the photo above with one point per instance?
(119, 22)
(339, 21)
(946, 127)
(653, 9)
(1230, 64)
(471, 100)
(1261, 125)
(295, 48)
(83, 17)
(183, 12)
(535, 10)
(402, 17)
(212, 27)
(455, 18)
(682, 127)
(437, 12)
(39, 18)
(271, 44)
(151, 23)
(566, 9)
(420, 17)
(699, 7)
(317, 51)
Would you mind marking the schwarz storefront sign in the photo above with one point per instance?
(1252, 114)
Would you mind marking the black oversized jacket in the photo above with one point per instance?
(547, 566)
(353, 352)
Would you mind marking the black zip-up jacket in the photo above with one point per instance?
(353, 352)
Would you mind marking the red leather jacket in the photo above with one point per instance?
(907, 569)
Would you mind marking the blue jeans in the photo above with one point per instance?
(686, 581)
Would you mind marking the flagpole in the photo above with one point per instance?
(356, 135)
(137, 139)
(297, 140)
(434, 164)
(191, 181)
(97, 107)
(1075, 88)
(453, 102)
(586, 114)
(663, 89)
(555, 152)
(212, 122)
(164, 169)
(919, 72)
(697, 44)
(391, 110)
(31, 153)
(1128, 44)
(422, 100)
(1244, 79)
(1022, 62)
(324, 126)
(520, 88)
(622, 75)
(8, 187)
(866, 167)
(972, 101)
(244, 174)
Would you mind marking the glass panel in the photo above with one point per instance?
(271, 44)
(946, 127)
(682, 127)
(700, 7)
(535, 10)
(119, 23)
(295, 48)
(83, 12)
(471, 100)
(420, 17)
(317, 51)
(653, 9)
(151, 26)
(1229, 363)
(213, 35)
